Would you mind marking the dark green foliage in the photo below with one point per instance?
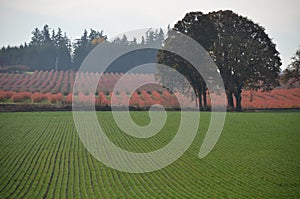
(56, 52)
(141, 53)
(292, 73)
(84, 45)
(44, 52)
(202, 30)
(246, 57)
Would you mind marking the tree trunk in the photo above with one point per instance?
(230, 105)
(200, 101)
(204, 101)
(238, 99)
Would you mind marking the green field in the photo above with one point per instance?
(257, 156)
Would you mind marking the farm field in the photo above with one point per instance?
(257, 156)
(56, 87)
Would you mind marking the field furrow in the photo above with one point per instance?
(257, 156)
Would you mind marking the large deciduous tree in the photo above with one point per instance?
(199, 27)
(246, 57)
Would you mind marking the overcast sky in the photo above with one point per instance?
(19, 17)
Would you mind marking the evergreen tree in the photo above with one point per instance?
(37, 37)
(63, 51)
(80, 50)
(292, 73)
(85, 44)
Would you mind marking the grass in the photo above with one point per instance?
(257, 156)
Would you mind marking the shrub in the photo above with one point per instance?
(102, 100)
(54, 98)
(21, 97)
(136, 100)
(38, 97)
(69, 98)
(5, 95)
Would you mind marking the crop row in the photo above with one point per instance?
(62, 81)
(103, 99)
(41, 156)
(58, 86)
(278, 98)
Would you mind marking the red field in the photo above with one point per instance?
(57, 87)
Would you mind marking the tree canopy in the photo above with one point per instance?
(53, 50)
(199, 27)
(245, 55)
(45, 51)
(292, 73)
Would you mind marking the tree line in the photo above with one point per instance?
(53, 50)
(245, 56)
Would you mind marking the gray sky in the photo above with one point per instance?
(19, 17)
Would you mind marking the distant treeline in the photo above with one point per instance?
(53, 50)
